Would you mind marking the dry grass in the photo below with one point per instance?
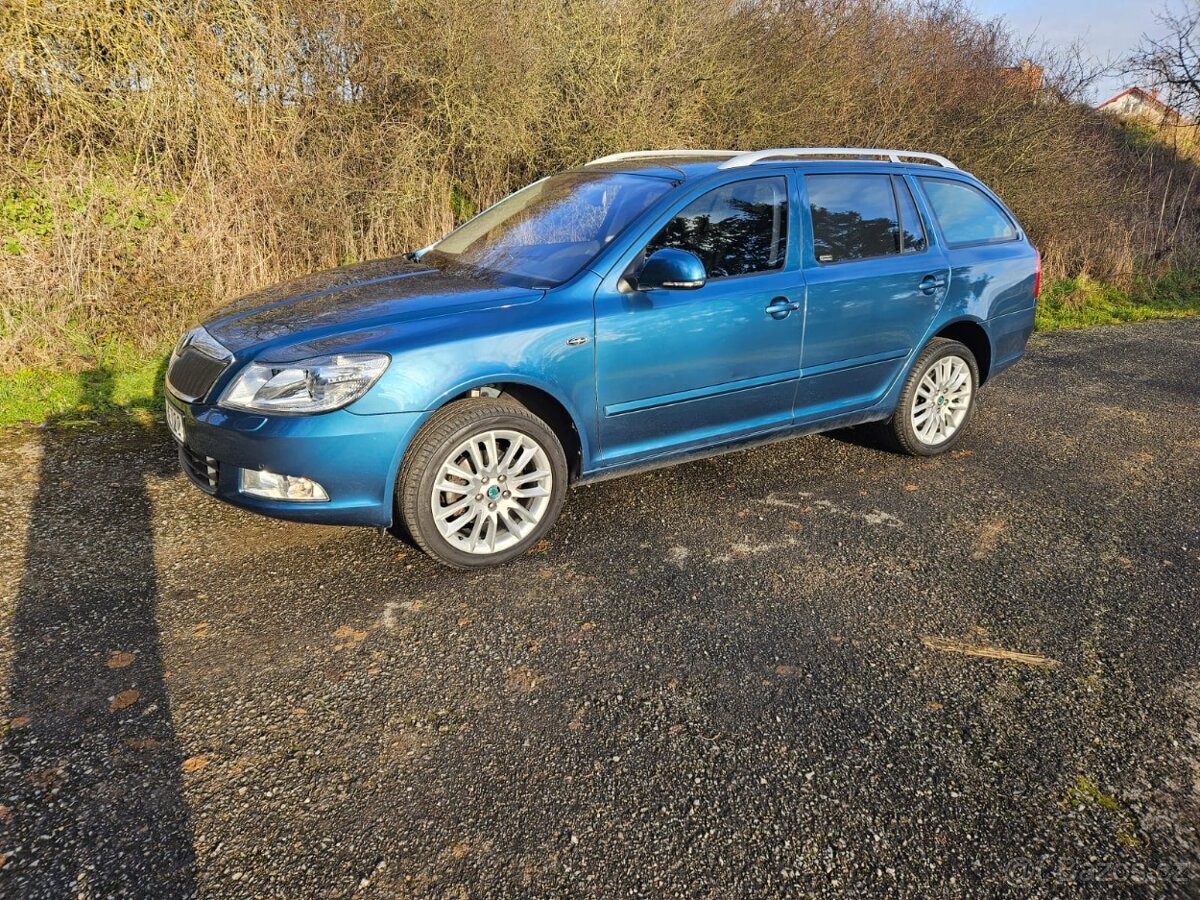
(973, 648)
(158, 158)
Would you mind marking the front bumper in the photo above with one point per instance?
(355, 458)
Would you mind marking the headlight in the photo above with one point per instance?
(309, 386)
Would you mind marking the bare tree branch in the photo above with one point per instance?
(1172, 63)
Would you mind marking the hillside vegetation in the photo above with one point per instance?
(162, 156)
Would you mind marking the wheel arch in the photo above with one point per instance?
(971, 334)
(539, 400)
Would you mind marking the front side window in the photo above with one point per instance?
(735, 229)
(853, 217)
(967, 215)
(545, 233)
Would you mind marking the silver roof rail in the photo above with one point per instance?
(651, 154)
(896, 156)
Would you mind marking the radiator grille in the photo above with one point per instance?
(195, 368)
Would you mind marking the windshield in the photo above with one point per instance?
(545, 233)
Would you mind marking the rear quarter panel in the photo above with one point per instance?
(992, 284)
(990, 281)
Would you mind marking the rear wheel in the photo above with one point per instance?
(481, 483)
(938, 399)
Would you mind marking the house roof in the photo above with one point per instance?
(1027, 75)
(1150, 97)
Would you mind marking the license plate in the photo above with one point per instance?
(175, 423)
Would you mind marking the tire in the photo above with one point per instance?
(936, 388)
(502, 505)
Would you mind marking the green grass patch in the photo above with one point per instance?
(1083, 302)
(1084, 792)
(122, 386)
(123, 383)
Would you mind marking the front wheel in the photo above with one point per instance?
(938, 399)
(481, 483)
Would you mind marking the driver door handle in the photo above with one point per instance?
(782, 307)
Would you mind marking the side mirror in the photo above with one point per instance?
(671, 269)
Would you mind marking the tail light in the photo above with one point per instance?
(1037, 279)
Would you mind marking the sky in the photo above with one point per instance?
(1107, 29)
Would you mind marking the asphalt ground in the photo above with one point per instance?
(754, 675)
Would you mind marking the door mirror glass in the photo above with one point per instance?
(671, 269)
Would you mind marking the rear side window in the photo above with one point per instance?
(735, 229)
(966, 214)
(911, 226)
(853, 217)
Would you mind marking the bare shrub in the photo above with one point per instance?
(160, 157)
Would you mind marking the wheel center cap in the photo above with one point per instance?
(493, 492)
(941, 401)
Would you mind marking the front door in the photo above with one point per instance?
(874, 286)
(676, 368)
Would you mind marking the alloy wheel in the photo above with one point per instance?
(491, 491)
(941, 400)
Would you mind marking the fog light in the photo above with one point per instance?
(280, 487)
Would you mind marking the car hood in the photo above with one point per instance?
(352, 298)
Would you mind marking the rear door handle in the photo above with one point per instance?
(782, 307)
(931, 283)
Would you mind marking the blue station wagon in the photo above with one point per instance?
(641, 310)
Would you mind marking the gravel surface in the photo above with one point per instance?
(755, 675)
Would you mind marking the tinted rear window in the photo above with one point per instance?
(966, 214)
(853, 217)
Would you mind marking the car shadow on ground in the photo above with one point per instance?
(866, 437)
(91, 767)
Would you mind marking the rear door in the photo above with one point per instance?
(875, 282)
